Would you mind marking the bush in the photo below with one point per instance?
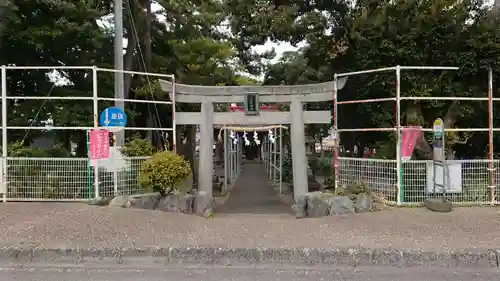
(326, 166)
(18, 149)
(42, 178)
(137, 146)
(164, 172)
(287, 169)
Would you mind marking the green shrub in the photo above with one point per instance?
(164, 172)
(314, 164)
(17, 149)
(137, 146)
(325, 165)
(32, 179)
(287, 169)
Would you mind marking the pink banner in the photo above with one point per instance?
(408, 141)
(99, 144)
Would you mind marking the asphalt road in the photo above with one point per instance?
(48, 272)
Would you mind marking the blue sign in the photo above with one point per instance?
(113, 117)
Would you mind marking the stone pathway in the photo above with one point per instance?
(253, 194)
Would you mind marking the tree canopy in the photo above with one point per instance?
(211, 42)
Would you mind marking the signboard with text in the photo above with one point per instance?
(252, 106)
(98, 144)
(113, 119)
(409, 139)
(438, 128)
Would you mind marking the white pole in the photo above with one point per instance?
(429, 67)
(95, 99)
(240, 141)
(364, 71)
(400, 189)
(119, 87)
(234, 153)
(336, 151)
(174, 124)
(4, 134)
(226, 150)
(263, 153)
(281, 160)
(231, 161)
(275, 160)
(270, 156)
(115, 172)
(238, 158)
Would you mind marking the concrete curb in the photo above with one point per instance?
(228, 256)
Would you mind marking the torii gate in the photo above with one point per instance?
(296, 117)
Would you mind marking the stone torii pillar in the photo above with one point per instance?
(296, 117)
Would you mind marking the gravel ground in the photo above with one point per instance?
(79, 273)
(58, 225)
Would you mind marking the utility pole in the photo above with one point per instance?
(119, 81)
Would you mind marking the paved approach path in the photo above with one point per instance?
(253, 194)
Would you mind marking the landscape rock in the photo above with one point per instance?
(154, 201)
(101, 201)
(300, 206)
(176, 203)
(145, 201)
(120, 201)
(341, 205)
(356, 188)
(204, 204)
(364, 203)
(317, 205)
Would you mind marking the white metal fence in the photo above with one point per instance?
(411, 182)
(380, 176)
(33, 179)
(70, 179)
(377, 175)
(67, 179)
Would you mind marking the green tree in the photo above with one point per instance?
(51, 33)
(428, 33)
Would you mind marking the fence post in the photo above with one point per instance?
(174, 124)
(281, 159)
(96, 126)
(4, 180)
(399, 168)
(336, 152)
(490, 131)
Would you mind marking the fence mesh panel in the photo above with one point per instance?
(417, 176)
(379, 176)
(67, 179)
(64, 179)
